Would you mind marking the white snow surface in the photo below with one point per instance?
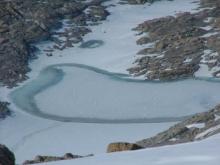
(204, 70)
(196, 153)
(196, 125)
(208, 132)
(29, 136)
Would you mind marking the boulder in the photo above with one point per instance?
(6, 156)
(122, 146)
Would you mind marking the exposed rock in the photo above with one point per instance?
(97, 13)
(188, 130)
(122, 146)
(143, 40)
(178, 45)
(176, 134)
(4, 110)
(6, 156)
(24, 22)
(196, 127)
(43, 159)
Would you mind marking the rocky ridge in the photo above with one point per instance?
(43, 159)
(178, 46)
(197, 127)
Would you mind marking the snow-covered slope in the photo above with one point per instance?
(197, 153)
(29, 136)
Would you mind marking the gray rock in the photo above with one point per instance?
(4, 110)
(23, 23)
(43, 159)
(178, 46)
(6, 156)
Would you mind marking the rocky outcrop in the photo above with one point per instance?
(24, 22)
(4, 110)
(196, 127)
(6, 156)
(122, 146)
(43, 159)
(177, 46)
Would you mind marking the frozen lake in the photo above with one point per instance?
(80, 93)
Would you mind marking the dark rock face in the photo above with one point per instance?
(178, 45)
(122, 146)
(43, 159)
(24, 22)
(6, 156)
(4, 110)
